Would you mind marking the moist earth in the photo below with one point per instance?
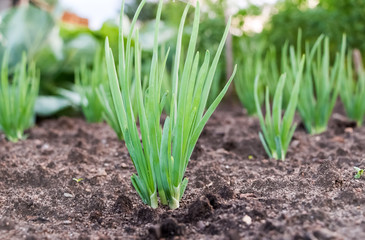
(234, 190)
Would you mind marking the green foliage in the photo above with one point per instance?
(274, 65)
(110, 115)
(271, 73)
(17, 98)
(47, 106)
(87, 84)
(321, 84)
(210, 29)
(80, 48)
(146, 32)
(257, 56)
(77, 179)
(349, 18)
(331, 18)
(250, 60)
(277, 131)
(147, 13)
(359, 172)
(353, 91)
(162, 161)
(23, 29)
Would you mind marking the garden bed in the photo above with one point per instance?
(234, 191)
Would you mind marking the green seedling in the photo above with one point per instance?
(353, 91)
(270, 72)
(161, 154)
(277, 131)
(321, 84)
(77, 179)
(18, 93)
(104, 95)
(110, 115)
(272, 69)
(359, 172)
(251, 64)
(87, 84)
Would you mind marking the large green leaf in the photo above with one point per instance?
(83, 47)
(49, 105)
(24, 29)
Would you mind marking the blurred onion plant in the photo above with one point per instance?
(18, 93)
(87, 84)
(250, 59)
(353, 90)
(321, 83)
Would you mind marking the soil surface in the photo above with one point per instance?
(234, 190)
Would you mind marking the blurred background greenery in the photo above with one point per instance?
(59, 36)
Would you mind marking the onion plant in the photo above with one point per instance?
(110, 115)
(277, 131)
(353, 91)
(92, 86)
(104, 94)
(321, 84)
(162, 154)
(271, 74)
(87, 84)
(17, 98)
(272, 69)
(251, 63)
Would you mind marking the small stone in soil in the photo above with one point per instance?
(200, 225)
(247, 219)
(68, 195)
(349, 130)
(295, 143)
(123, 165)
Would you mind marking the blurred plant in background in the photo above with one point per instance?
(18, 92)
(250, 62)
(87, 84)
(24, 29)
(329, 17)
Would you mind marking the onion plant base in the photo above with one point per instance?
(16, 136)
(318, 129)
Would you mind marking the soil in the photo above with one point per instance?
(234, 190)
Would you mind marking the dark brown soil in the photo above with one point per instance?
(234, 191)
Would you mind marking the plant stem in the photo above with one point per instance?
(318, 129)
